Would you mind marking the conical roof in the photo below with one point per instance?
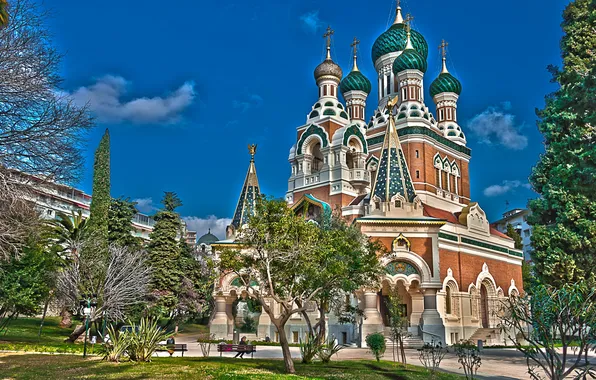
(393, 177)
(250, 192)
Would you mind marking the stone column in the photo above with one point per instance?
(432, 323)
(219, 324)
(230, 315)
(372, 321)
(417, 310)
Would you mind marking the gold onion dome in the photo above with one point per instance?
(328, 69)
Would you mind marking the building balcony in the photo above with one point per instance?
(359, 177)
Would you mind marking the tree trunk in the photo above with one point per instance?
(66, 320)
(322, 325)
(285, 348)
(76, 333)
(43, 316)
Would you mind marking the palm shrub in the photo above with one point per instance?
(144, 338)
(376, 343)
(309, 348)
(116, 347)
(327, 350)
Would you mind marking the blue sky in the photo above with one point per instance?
(185, 85)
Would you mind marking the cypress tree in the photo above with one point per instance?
(120, 224)
(100, 203)
(164, 251)
(564, 216)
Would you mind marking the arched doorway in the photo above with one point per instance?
(484, 311)
(405, 301)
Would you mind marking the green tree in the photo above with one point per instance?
(563, 217)
(517, 239)
(69, 232)
(164, 252)
(100, 203)
(293, 261)
(120, 229)
(25, 282)
(347, 261)
(563, 323)
(398, 323)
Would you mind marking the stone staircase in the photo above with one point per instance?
(413, 341)
(489, 336)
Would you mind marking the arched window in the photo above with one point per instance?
(417, 154)
(317, 158)
(448, 300)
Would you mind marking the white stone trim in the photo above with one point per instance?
(513, 288)
(413, 259)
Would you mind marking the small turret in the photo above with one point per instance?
(355, 88)
(445, 91)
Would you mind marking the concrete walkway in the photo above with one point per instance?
(497, 363)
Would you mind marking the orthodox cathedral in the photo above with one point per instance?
(403, 178)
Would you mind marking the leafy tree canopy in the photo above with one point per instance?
(564, 216)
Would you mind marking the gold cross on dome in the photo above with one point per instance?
(354, 45)
(443, 48)
(408, 20)
(328, 35)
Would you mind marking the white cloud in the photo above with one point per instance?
(495, 126)
(202, 225)
(104, 99)
(505, 187)
(311, 21)
(144, 205)
(252, 101)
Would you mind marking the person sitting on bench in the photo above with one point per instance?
(242, 343)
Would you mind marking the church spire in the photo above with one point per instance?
(398, 18)
(250, 192)
(393, 177)
(443, 48)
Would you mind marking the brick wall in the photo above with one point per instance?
(466, 269)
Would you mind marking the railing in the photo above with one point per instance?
(422, 333)
(359, 175)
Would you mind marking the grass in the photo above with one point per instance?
(22, 366)
(22, 335)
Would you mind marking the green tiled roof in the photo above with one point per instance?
(410, 59)
(394, 40)
(445, 83)
(355, 81)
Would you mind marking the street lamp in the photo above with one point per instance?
(88, 304)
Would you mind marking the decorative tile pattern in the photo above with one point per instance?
(353, 130)
(394, 40)
(400, 267)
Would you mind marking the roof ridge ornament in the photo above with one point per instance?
(443, 49)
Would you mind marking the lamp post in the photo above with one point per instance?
(88, 303)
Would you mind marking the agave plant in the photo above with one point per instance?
(309, 348)
(144, 338)
(116, 346)
(327, 350)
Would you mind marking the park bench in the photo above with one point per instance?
(246, 348)
(171, 348)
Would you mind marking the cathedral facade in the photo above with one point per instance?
(403, 178)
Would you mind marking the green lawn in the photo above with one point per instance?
(30, 366)
(22, 335)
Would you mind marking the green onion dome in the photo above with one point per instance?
(355, 81)
(445, 83)
(394, 40)
(409, 59)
